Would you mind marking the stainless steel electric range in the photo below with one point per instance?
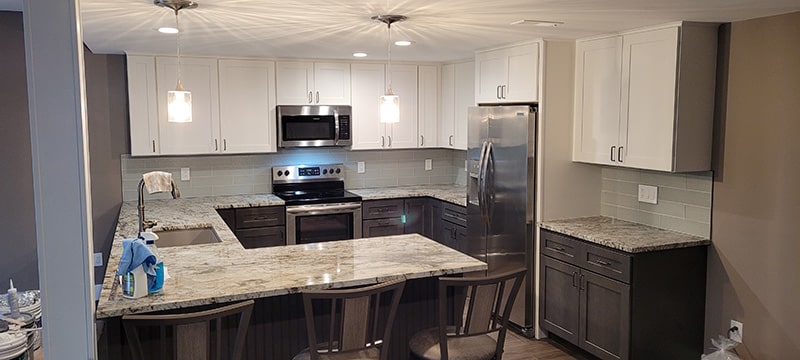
(318, 208)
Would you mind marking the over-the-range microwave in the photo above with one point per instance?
(314, 125)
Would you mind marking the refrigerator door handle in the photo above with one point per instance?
(488, 188)
(481, 161)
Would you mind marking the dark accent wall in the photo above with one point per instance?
(18, 258)
(752, 266)
(106, 93)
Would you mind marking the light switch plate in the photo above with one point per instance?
(185, 176)
(97, 289)
(648, 194)
(98, 259)
(362, 168)
(428, 164)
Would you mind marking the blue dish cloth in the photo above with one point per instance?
(135, 253)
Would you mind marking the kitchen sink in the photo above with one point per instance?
(184, 237)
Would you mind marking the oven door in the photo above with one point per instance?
(322, 222)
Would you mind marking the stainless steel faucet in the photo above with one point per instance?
(147, 224)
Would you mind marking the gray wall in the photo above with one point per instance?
(108, 137)
(752, 265)
(18, 258)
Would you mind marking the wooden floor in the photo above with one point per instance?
(521, 348)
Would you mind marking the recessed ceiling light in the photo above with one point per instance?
(168, 30)
(402, 43)
(360, 54)
(543, 23)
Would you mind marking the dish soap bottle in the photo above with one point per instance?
(13, 300)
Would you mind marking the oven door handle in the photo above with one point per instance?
(320, 210)
(336, 126)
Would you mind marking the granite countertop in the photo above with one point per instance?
(623, 235)
(225, 271)
(456, 194)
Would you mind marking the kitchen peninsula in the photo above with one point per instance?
(222, 272)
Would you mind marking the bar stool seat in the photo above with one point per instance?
(426, 344)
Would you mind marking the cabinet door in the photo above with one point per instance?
(404, 135)
(417, 212)
(465, 97)
(382, 227)
(598, 67)
(605, 316)
(201, 136)
(559, 309)
(143, 105)
(247, 106)
(295, 82)
(491, 72)
(262, 237)
(460, 238)
(332, 83)
(436, 221)
(428, 105)
(648, 107)
(448, 235)
(448, 109)
(522, 83)
(367, 88)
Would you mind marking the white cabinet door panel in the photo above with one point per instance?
(648, 109)
(403, 135)
(201, 136)
(523, 74)
(448, 115)
(332, 84)
(465, 97)
(143, 105)
(598, 67)
(491, 72)
(295, 81)
(428, 104)
(367, 88)
(247, 106)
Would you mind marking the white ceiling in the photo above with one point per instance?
(441, 30)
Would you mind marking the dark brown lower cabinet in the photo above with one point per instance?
(381, 227)
(618, 305)
(262, 237)
(257, 227)
(418, 216)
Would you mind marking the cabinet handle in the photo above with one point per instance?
(317, 97)
(451, 140)
(582, 286)
(383, 142)
(216, 145)
(154, 146)
(604, 263)
(224, 145)
(574, 279)
(503, 91)
(558, 248)
(390, 141)
(310, 98)
(421, 140)
(612, 153)
(619, 154)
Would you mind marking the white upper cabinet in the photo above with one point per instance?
(508, 74)
(143, 105)
(458, 94)
(368, 84)
(666, 81)
(428, 105)
(598, 69)
(313, 83)
(198, 75)
(247, 106)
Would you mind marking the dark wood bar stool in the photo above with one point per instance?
(482, 306)
(351, 324)
(196, 336)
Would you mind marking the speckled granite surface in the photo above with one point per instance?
(225, 271)
(623, 235)
(455, 194)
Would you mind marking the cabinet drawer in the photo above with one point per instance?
(560, 247)
(454, 214)
(382, 227)
(260, 217)
(613, 264)
(262, 237)
(380, 209)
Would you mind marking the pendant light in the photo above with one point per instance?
(179, 101)
(390, 103)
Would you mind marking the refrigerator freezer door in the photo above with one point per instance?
(477, 136)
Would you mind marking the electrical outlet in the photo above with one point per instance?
(648, 194)
(185, 176)
(362, 168)
(98, 259)
(428, 164)
(97, 289)
(735, 332)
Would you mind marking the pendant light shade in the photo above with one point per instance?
(390, 103)
(179, 101)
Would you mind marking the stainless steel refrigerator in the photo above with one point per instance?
(500, 196)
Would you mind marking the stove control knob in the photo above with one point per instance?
(286, 172)
(338, 170)
(280, 173)
(324, 171)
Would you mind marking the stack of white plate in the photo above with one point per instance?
(12, 345)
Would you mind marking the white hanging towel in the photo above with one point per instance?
(159, 181)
